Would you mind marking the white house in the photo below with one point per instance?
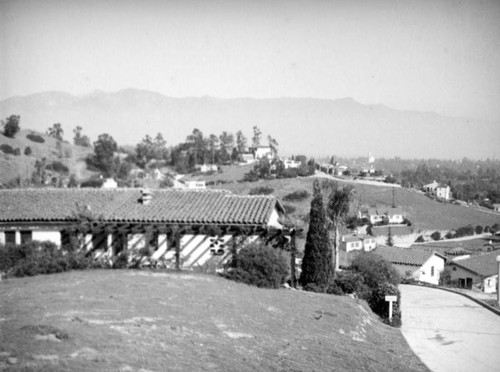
(441, 191)
(353, 242)
(195, 224)
(288, 163)
(421, 265)
(208, 168)
(260, 152)
(478, 271)
(389, 215)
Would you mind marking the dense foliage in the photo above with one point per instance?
(374, 269)
(296, 196)
(35, 138)
(259, 265)
(9, 150)
(11, 126)
(261, 190)
(317, 268)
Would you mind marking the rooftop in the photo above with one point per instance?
(484, 264)
(405, 256)
(123, 205)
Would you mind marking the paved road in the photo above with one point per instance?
(450, 332)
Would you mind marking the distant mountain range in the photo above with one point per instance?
(314, 127)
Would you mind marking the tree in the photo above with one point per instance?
(374, 269)
(436, 235)
(56, 131)
(197, 144)
(213, 145)
(40, 174)
(389, 241)
(317, 262)
(241, 142)
(149, 149)
(273, 144)
(11, 125)
(80, 140)
(257, 135)
(226, 145)
(337, 210)
(104, 150)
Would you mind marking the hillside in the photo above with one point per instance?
(105, 320)
(23, 165)
(423, 212)
(314, 127)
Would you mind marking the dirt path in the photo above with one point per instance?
(450, 332)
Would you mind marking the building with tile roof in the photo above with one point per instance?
(421, 265)
(352, 242)
(480, 271)
(118, 219)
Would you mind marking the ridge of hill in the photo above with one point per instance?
(23, 165)
(106, 320)
(314, 127)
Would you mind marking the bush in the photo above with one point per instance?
(27, 151)
(351, 283)
(449, 235)
(436, 235)
(479, 229)
(35, 138)
(261, 190)
(36, 257)
(289, 173)
(296, 196)
(121, 261)
(58, 167)
(259, 265)
(375, 270)
(380, 306)
(420, 239)
(93, 182)
(7, 149)
(465, 231)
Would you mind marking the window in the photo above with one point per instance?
(432, 270)
(10, 237)
(26, 237)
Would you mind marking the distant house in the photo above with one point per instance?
(441, 191)
(480, 271)
(208, 168)
(356, 242)
(496, 207)
(288, 163)
(421, 265)
(260, 152)
(389, 215)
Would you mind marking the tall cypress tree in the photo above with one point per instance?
(317, 262)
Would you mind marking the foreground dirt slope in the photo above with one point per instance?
(144, 321)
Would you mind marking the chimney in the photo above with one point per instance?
(146, 196)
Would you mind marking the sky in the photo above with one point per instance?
(441, 56)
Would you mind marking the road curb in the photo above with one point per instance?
(479, 302)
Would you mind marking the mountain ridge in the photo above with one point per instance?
(311, 126)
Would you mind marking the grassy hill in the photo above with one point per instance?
(139, 320)
(23, 165)
(423, 212)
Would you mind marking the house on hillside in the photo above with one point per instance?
(353, 242)
(182, 228)
(261, 152)
(289, 163)
(421, 265)
(440, 191)
(381, 215)
(480, 271)
(496, 207)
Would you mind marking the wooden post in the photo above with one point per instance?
(391, 299)
(293, 250)
(177, 242)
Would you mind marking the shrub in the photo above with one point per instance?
(35, 138)
(449, 235)
(420, 239)
(351, 282)
(380, 306)
(261, 190)
(289, 209)
(289, 173)
(465, 231)
(7, 149)
(259, 265)
(27, 151)
(296, 196)
(375, 270)
(479, 229)
(93, 182)
(121, 261)
(58, 167)
(436, 235)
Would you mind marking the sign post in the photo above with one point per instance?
(498, 282)
(391, 299)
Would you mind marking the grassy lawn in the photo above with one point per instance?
(145, 321)
(423, 212)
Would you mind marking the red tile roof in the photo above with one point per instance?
(484, 264)
(123, 205)
(405, 256)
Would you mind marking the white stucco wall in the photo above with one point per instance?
(490, 284)
(425, 274)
